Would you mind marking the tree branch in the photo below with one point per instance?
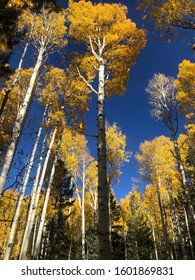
(92, 49)
(87, 83)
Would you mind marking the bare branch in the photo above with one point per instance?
(87, 83)
(92, 49)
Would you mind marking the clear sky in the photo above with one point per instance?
(131, 111)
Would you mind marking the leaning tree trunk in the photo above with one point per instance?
(35, 197)
(21, 196)
(103, 189)
(43, 214)
(20, 120)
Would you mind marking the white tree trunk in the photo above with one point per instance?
(35, 197)
(21, 196)
(43, 214)
(20, 120)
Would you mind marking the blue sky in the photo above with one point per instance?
(131, 111)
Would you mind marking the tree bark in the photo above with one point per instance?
(103, 189)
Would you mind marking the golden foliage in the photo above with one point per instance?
(13, 105)
(186, 86)
(155, 160)
(186, 94)
(116, 150)
(7, 207)
(170, 13)
(71, 147)
(48, 28)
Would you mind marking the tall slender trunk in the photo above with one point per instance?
(9, 89)
(70, 250)
(174, 241)
(35, 196)
(34, 235)
(20, 120)
(83, 208)
(103, 189)
(110, 212)
(155, 244)
(165, 233)
(21, 196)
(43, 214)
(166, 226)
(45, 241)
(125, 243)
(94, 206)
(189, 234)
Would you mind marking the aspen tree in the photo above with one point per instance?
(113, 43)
(154, 161)
(54, 120)
(22, 193)
(85, 161)
(44, 210)
(47, 35)
(74, 154)
(162, 94)
(33, 205)
(35, 199)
